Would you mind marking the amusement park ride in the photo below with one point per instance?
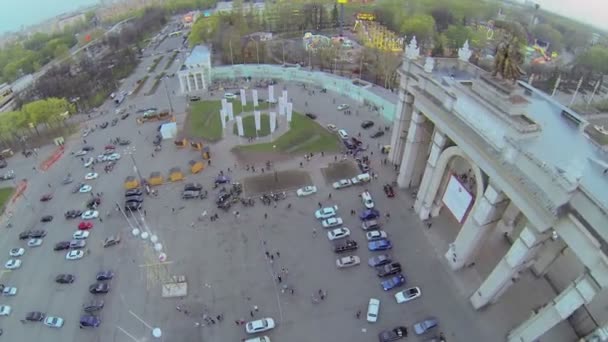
(375, 35)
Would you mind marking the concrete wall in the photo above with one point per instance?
(341, 85)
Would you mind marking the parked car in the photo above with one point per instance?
(307, 190)
(65, 278)
(343, 106)
(104, 275)
(369, 214)
(393, 282)
(379, 260)
(379, 245)
(77, 244)
(388, 269)
(35, 316)
(367, 124)
(376, 235)
(332, 222)
(46, 197)
(54, 322)
(367, 199)
(311, 116)
(377, 134)
(98, 288)
(259, 325)
(12, 264)
(373, 308)
(345, 245)
(16, 252)
(424, 326)
(94, 305)
(408, 295)
(111, 241)
(34, 242)
(338, 233)
(62, 245)
(327, 212)
(5, 310)
(89, 321)
(80, 234)
(46, 218)
(342, 183)
(348, 261)
(393, 334)
(74, 255)
(9, 291)
(71, 214)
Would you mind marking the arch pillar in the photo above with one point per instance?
(401, 123)
(414, 154)
(486, 212)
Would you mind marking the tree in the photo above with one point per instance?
(203, 30)
(456, 35)
(335, 20)
(443, 18)
(548, 34)
(421, 26)
(575, 38)
(594, 60)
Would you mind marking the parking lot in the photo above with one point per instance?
(227, 261)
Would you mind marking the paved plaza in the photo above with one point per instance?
(225, 261)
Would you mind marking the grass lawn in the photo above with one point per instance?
(249, 126)
(5, 196)
(204, 120)
(170, 62)
(237, 108)
(305, 136)
(155, 64)
(140, 85)
(158, 79)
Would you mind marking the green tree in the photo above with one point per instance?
(594, 60)
(203, 30)
(335, 20)
(46, 111)
(576, 38)
(456, 35)
(547, 33)
(421, 26)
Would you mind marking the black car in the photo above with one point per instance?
(93, 203)
(393, 335)
(105, 275)
(77, 188)
(222, 198)
(377, 134)
(124, 116)
(65, 279)
(132, 192)
(389, 269)
(35, 316)
(94, 305)
(25, 235)
(136, 198)
(114, 121)
(189, 194)
(345, 246)
(37, 234)
(99, 288)
(367, 124)
(46, 218)
(62, 245)
(72, 214)
(311, 115)
(132, 205)
(111, 241)
(193, 187)
(124, 142)
(104, 125)
(88, 148)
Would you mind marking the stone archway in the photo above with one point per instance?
(430, 199)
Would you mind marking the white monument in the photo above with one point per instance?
(412, 51)
(254, 95)
(289, 111)
(281, 107)
(239, 126)
(464, 53)
(271, 93)
(225, 105)
(258, 122)
(223, 118)
(230, 112)
(243, 98)
(273, 121)
(429, 64)
(285, 96)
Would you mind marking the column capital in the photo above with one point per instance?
(418, 117)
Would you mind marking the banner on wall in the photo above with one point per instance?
(239, 126)
(243, 98)
(254, 95)
(273, 121)
(256, 116)
(457, 199)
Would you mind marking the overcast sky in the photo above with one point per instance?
(594, 12)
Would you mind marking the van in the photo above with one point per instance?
(362, 178)
(368, 202)
(259, 339)
(370, 225)
(342, 133)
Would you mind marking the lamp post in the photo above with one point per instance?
(131, 152)
(167, 92)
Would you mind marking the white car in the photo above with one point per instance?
(91, 175)
(260, 325)
(229, 96)
(113, 157)
(332, 127)
(348, 261)
(376, 235)
(326, 212)
(74, 255)
(343, 106)
(80, 234)
(34, 242)
(367, 199)
(101, 157)
(88, 162)
(338, 233)
(342, 183)
(332, 222)
(408, 295)
(85, 188)
(90, 215)
(86, 132)
(12, 264)
(5, 310)
(307, 190)
(53, 322)
(9, 291)
(15, 252)
(80, 153)
(372, 310)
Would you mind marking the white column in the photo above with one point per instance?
(401, 122)
(509, 218)
(507, 270)
(579, 293)
(475, 229)
(439, 142)
(546, 256)
(181, 84)
(414, 154)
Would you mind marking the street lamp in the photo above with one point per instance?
(131, 152)
(167, 92)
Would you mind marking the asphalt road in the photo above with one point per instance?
(224, 261)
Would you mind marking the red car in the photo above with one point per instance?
(84, 225)
(110, 147)
(388, 190)
(46, 198)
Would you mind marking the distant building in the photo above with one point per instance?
(195, 74)
(190, 18)
(595, 38)
(69, 20)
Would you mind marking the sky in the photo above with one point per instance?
(594, 12)
(16, 13)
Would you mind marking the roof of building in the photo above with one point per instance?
(200, 55)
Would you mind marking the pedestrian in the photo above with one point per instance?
(428, 225)
(145, 213)
(267, 254)
(173, 210)
(237, 322)
(279, 279)
(209, 162)
(329, 196)
(388, 216)
(292, 291)
(251, 313)
(265, 215)
(335, 158)
(320, 205)
(278, 254)
(271, 256)
(219, 318)
(358, 315)
(255, 308)
(314, 232)
(100, 220)
(322, 154)
(320, 292)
